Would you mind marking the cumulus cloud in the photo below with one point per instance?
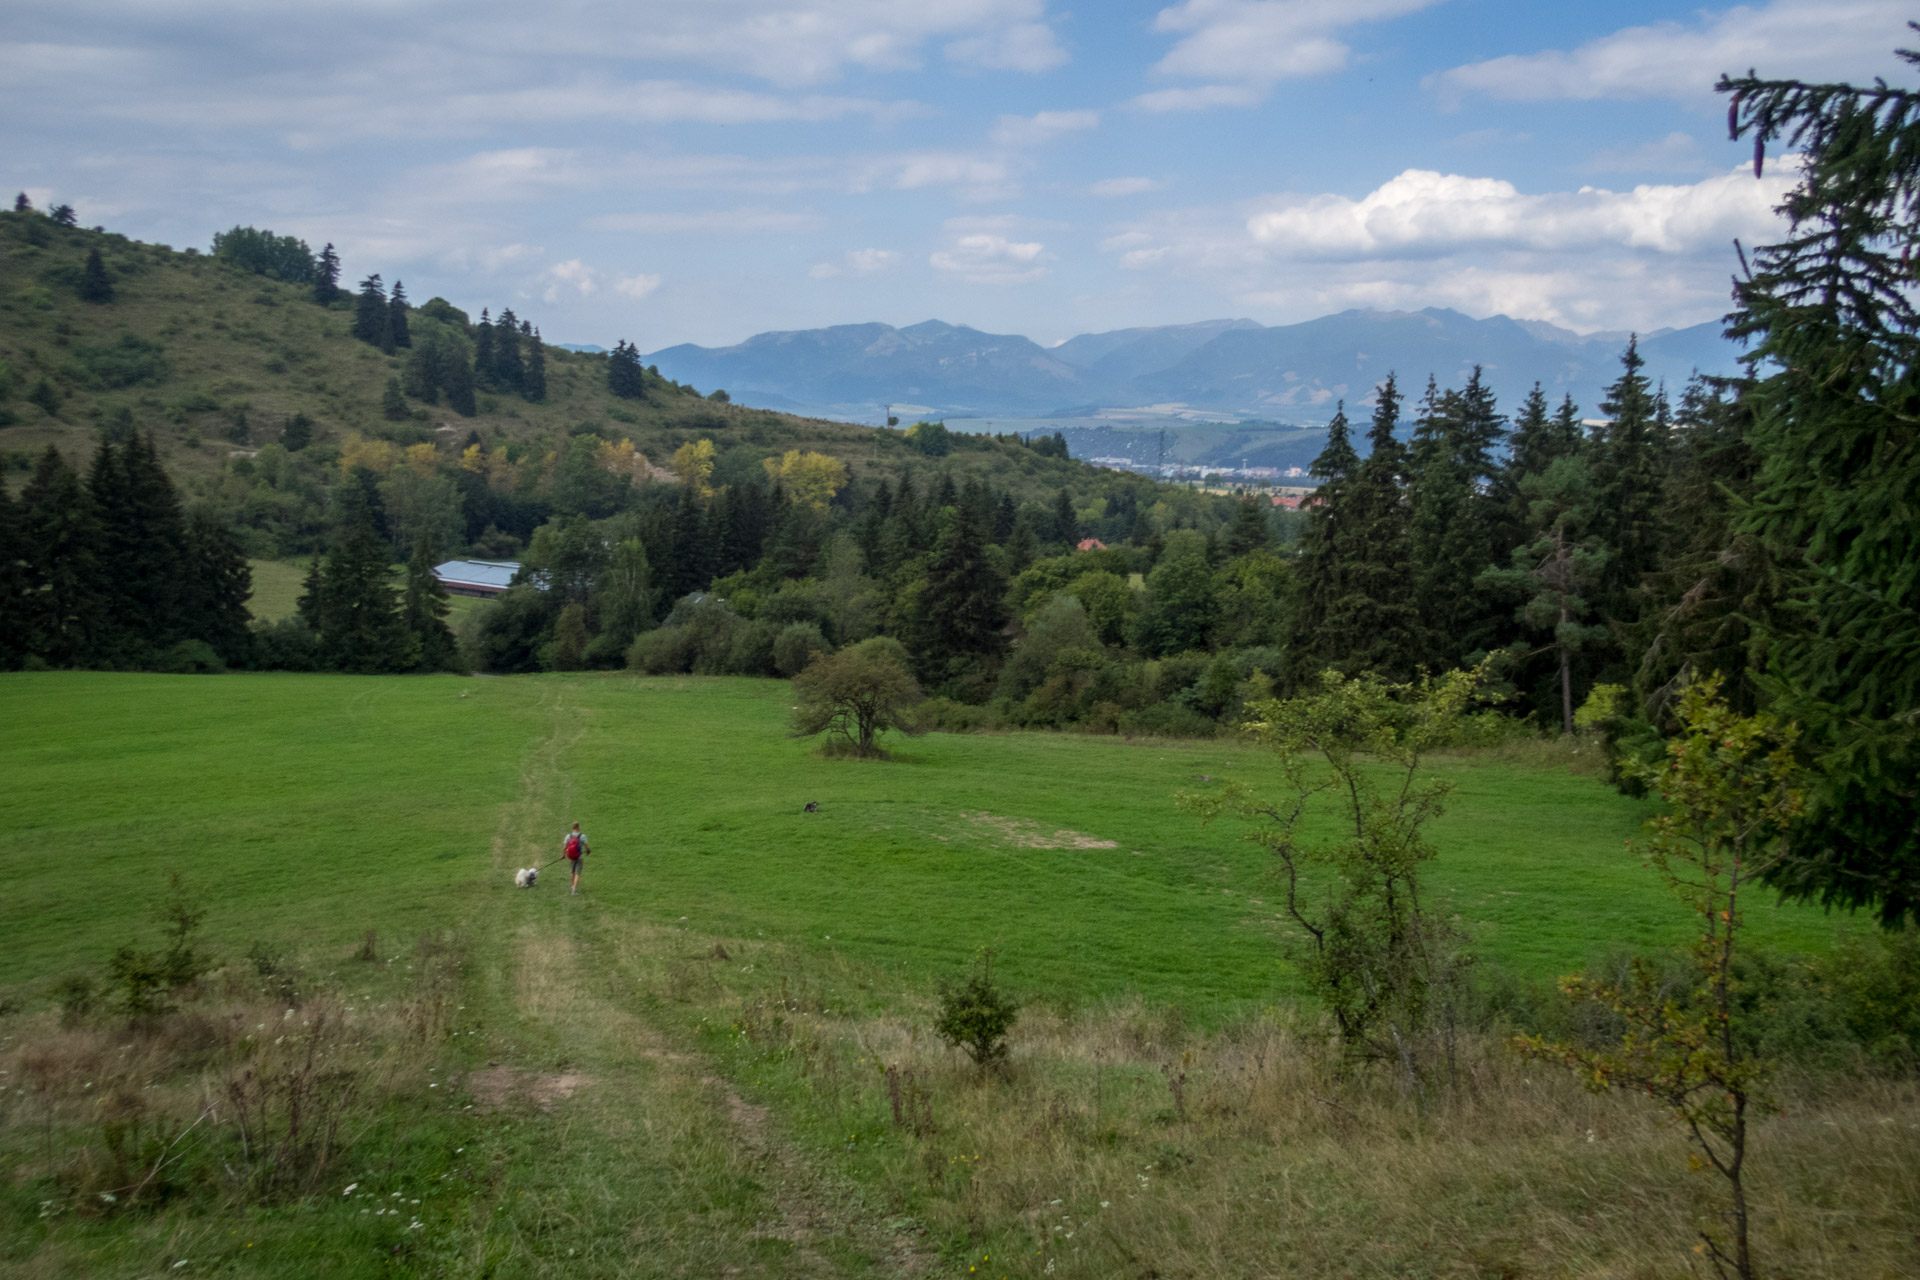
(1108, 188)
(989, 258)
(858, 262)
(1021, 46)
(1649, 256)
(1816, 39)
(1422, 212)
(1044, 126)
(572, 275)
(1246, 46)
(636, 286)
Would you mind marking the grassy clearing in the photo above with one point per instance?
(611, 1089)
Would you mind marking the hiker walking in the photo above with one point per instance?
(576, 848)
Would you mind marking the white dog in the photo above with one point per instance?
(524, 878)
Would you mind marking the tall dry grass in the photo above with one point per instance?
(1119, 1142)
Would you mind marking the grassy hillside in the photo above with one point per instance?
(365, 800)
(216, 360)
(715, 1061)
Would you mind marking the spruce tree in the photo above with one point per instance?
(62, 215)
(1004, 512)
(398, 331)
(216, 583)
(424, 609)
(508, 369)
(1066, 523)
(1631, 457)
(311, 604)
(297, 434)
(95, 286)
(326, 277)
(1459, 522)
(361, 630)
(61, 564)
(533, 384)
(1324, 550)
(1249, 531)
(483, 346)
(691, 566)
(142, 548)
(959, 611)
(372, 318)
(21, 204)
(625, 377)
(393, 405)
(1373, 626)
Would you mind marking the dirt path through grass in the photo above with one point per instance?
(621, 1103)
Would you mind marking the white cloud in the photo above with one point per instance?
(1023, 46)
(986, 258)
(1423, 212)
(1045, 126)
(1817, 39)
(708, 222)
(1651, 256)
(859, 262)
(572, 274)
(1108, 188)
(974, 176)
(638, 286)
(1246, 46)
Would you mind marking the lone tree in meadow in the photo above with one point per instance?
(855, 695)
(95, 285)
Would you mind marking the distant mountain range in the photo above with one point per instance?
(1237, 369)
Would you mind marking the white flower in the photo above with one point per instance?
(350, 1187)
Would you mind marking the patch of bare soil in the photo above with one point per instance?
(1023, 833)
(497, 1087)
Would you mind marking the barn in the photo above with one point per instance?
(483, 578)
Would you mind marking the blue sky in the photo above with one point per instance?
(666, 171)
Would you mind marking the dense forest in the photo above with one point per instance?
(1758, 528)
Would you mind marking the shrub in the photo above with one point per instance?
(662, 651)
(797, 644)
(148, 981)
(976, 1015)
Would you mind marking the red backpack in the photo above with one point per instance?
(573, 845)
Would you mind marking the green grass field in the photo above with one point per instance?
(699, 1066)
(315, 807)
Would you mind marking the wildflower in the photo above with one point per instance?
(350, 1187)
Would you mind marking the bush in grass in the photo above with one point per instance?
(976, 1015)
(796, 645)
(148, 981)
(857, 694)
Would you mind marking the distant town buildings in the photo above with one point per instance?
(1206, 474)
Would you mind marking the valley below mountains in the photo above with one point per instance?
(1285, 378)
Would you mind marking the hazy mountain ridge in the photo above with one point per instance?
(1237, 368)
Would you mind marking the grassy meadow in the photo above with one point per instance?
(716, 1059)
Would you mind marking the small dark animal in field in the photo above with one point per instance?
(813, 806)
(720, 952)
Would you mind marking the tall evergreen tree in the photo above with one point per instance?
(483, 349)
(691, 565)
(1631, 457)
(216, 583)
(1324, 551)
(393, 405)
(399, 333)
(533, 384)
(326, 277)
(13, 584)
(372, 317)
(1066, 522)
(456, 379)
(1374, 625)
(61, 565)
(1539, 438)
(143, 533)
(959, 613)
(1249, 531)
(1830, 315)
(508, 369)
(1458, 521)
(21, 204)
(625, 377)
(361, 628)
(95, 286)
(1004, 512)
(423, 611)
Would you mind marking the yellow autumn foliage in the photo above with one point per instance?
(693, 463)
(810, 479)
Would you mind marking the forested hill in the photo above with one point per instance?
(221, 354)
